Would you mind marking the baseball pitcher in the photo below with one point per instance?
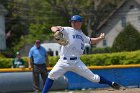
(72, 40)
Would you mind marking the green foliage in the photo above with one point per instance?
(37, 31)
(27, 18)
(120, 58)
(101, 50)
(8, 53)
(127, 40)
(53, 60)
(1, 55)
(7, 62)
(14, 23)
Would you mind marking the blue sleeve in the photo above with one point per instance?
(45, 52)
(30, 53)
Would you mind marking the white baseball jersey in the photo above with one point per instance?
(76, 41)
(74, 49)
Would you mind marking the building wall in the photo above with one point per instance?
(54, 47)
(129, 13)
(2, 32)
(3, 12)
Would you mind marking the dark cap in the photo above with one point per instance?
(37, 41)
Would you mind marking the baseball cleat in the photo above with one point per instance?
(115, 86)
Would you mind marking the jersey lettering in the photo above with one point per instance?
(78, 37)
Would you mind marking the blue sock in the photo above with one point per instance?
(105, 81)
(47, 86)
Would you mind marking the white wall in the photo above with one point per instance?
(55, 47)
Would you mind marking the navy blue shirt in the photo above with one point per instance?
(38, 55)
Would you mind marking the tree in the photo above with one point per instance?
(16, 25)
(31, 19)
(127, 40)
(26, 18)
(93, 11)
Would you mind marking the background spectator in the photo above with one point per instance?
(18, 62)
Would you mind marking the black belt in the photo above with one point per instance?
(39, 64)
(71, 58)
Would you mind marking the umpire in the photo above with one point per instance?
(38, 60)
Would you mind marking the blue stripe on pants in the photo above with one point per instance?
(48, 85)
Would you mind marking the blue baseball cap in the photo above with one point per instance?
(76, 18)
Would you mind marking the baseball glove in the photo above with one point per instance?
(58, 36)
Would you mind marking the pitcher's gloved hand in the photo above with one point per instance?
(58, 36)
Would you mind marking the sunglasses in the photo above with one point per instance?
(37, 42)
